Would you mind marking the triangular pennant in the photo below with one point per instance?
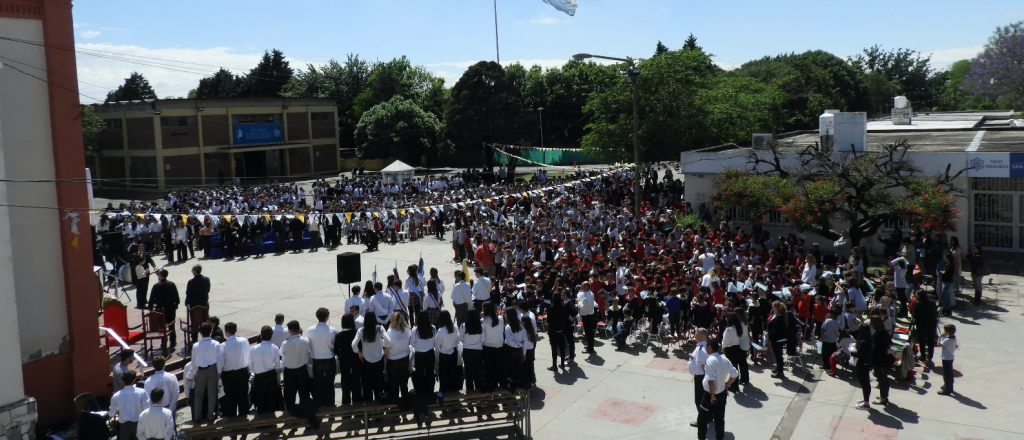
(401, 211)
(301, 218)
(266, 217)
(348, 216)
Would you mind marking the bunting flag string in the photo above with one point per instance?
(478, 205)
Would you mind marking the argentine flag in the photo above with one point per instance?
(567, 6)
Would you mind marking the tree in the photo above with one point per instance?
(954, 90)
(484, 108)
(691, 43)
(826, 192)
(341, 82)
(92, 126)
(268, 78)
(896, 72)
(397, 128)
(136, 87)
(661, 48)
(684, 100)
(813, 81)
(222, 84)
(998, 72)
(399, 77)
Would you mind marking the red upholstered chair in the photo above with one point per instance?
(115, 317)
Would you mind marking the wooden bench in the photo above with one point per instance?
(473, 410)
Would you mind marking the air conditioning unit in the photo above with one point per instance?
(761, 141)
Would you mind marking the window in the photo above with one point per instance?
(738, 214)
(891, 223)
(178, 121)
(774, 217)
(264, 118)
(997, 184)
(993, 208)
(112, 124)
(322, 116)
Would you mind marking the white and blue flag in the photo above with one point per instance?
(567, 6)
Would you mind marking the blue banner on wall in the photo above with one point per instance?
(1016, 164)
(257, 133)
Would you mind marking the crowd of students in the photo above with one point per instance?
(576, 256)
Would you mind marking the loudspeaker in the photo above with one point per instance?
(348, 268)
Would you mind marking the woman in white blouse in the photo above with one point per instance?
(736, 344)
(472, 334)
(432, 302)
(423, 342)
(810, 273)
(493, 331)
(371, 344)
(398, 356)
(514, 349)
(447, 346)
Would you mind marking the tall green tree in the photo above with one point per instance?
(341, 82)
(691, 43)
(685, 103)
(661, 48)
(222, 84)
(397, 128)
(813, 81)
(399, 77)
(484, 108)
(92, 126)
(905, 71)
(268, 78)
(136, 87)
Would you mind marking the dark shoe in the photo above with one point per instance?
(552, 368)
(693, 424)
(945, 392)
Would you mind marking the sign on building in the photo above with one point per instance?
(257, 133)
(995, 164)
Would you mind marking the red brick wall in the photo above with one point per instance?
(298, 161)
(325, 158)
(179, 137)
(184, 170)
(298, 127)
(140, 134)
(216, 130)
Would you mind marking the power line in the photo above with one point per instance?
(48, 82)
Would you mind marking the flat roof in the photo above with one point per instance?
(983, 131)
(154, 104)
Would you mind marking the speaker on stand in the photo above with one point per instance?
(349, 270)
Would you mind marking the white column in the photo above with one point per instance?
(12, 387)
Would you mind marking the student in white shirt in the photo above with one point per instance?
(398, 356)
(719, 374)
(514, 349)
(156, 422)
(736, 343)
(472, 335)
(165, 380)
(208, 361)
(462, 295)
(321, 353)
(235, 373)
(446, 343)
(356, 301)
(280, 333)
(127, 405)
(265, 363)
(696, 365)
(371, 344)
(493, 331)
(529, 373)
(949, 344)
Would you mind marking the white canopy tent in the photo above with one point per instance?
(398, 173)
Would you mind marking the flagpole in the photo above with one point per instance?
(497, 51)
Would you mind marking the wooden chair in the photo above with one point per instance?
(115, 317)
(194, 317)
(155, 328)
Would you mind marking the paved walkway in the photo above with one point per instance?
(647, 393)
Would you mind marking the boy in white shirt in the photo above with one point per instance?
(948, 341)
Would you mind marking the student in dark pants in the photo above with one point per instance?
(863, 367)
(777, 335)
(949, 345)
(881, 358)
(348, 361)
(570, 328)
(556, 334)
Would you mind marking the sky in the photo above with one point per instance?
(185, 40)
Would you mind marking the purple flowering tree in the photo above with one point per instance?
(998, 72)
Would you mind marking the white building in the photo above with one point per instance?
(983, 143)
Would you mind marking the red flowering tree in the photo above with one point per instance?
(824, 191)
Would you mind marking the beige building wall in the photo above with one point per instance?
(31, 274)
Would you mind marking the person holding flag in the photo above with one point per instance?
(382, 304)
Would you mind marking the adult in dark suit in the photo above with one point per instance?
(280, 235)
(197, 291)
(164, 299)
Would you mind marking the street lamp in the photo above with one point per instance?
(543, 154)
(633, 74)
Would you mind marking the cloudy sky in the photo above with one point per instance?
(174, 44)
